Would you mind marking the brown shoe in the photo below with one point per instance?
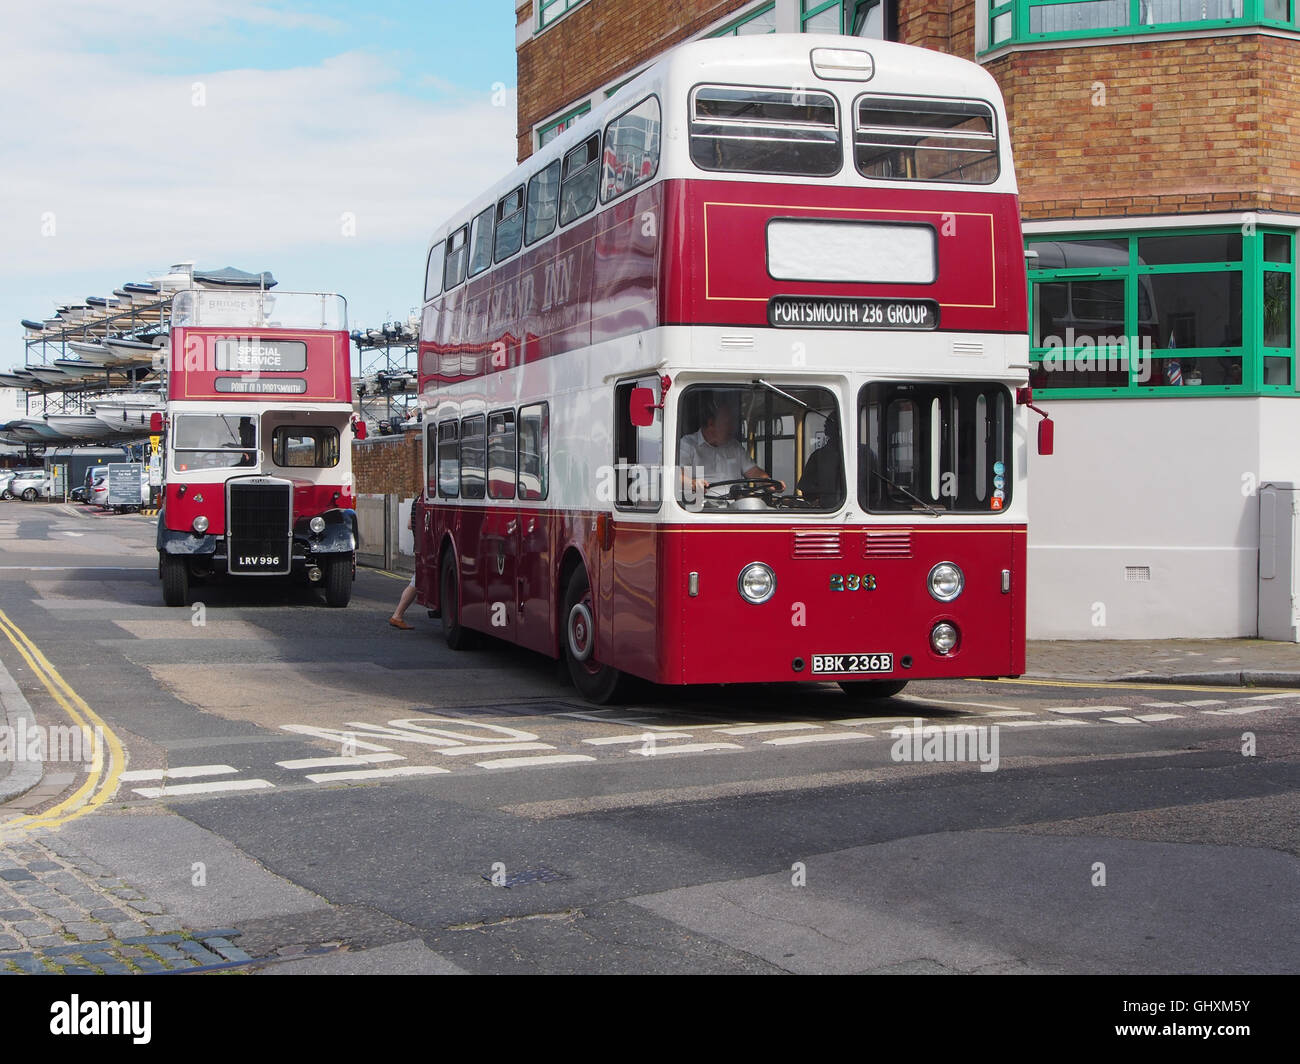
(397, 623)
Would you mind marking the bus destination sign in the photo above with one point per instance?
(249, 355)
(846, 312)
(262, 385)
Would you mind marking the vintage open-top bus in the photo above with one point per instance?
(257, 435)
(727, 382)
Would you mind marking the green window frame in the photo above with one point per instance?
(1013, 22)
(552, 129)
(812, 9)
(736, 28)
(1160, 303)
(550, 10)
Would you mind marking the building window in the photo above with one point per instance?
(852, 18)
(1016, 21)
(551, 130)
(760, 20)
(1159, 312)
(549, 10)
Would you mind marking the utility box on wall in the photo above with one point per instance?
(1279, 562)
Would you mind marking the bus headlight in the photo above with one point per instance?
(200, 524)
(943, 637)
(945, 582)
(317, 525)
(757, 583)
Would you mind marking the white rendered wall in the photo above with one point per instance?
(1162, 483)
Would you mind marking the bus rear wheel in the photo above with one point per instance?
(175, 580)
(596, 683)
(869, 689)
(338, 582)
(458, 637)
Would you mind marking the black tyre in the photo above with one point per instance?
(458, 637)
(175, 580)
(29, 495)
(338, 581)
(869, 689)
(596, 683)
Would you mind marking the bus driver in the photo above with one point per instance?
(713, 455)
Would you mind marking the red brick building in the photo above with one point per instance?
(1158, 159)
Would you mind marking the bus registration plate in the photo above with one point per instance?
(837, 663)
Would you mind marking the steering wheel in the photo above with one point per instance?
(758, 486)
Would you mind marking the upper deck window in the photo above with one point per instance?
(481, 242)
(510, 224)
(433, 271)
(912, 138)
(631, 149)
(543, 203)
(581, 180)
(765, 131)
(457, 258)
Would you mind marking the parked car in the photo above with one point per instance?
(30, 485)
(6, 478)
(98, 491)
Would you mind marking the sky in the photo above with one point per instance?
(322, 140)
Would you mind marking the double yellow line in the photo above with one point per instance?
(105, 772)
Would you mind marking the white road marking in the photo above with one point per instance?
(203, 788)
(1012, 713)
(1205, 702)
(1083, 709)
(80, 568)
(692, 748)
(377, 773)
(1260, 698)
(822, 737)
(492, 748)
(1024, 723)
(1235, 711)
(1122, 720)
(609, 740)
(1150, 717)
(853, 722)
(1066, 722)
(520, 762)
(339, 762)
(759, 729)
(951, 702)
(182, 772)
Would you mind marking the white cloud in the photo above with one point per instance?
(133, 171)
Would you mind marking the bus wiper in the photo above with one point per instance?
(783, 395)
(932, 511)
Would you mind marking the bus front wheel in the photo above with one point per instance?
(596, 683)
(338, 581)
(175, 580)
(868, 689)
(458, 637)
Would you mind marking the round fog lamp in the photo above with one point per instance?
(757, 583)
(943, 637)
(317, 525)
(200, 524)
(945, 581)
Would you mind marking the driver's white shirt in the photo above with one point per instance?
(705, 461)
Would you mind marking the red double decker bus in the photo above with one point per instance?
(258, 442)
(726, 383)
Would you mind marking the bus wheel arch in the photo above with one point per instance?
(456, 635)
(580, 637)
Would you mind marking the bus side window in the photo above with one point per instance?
(581, 177)
(501, 455)
(457, 254)
(534, 445)
(480, 242)
(543, 203)
(510, 224)
(431, 459)
(448, 460)
(631, 149)
(472, 455)
(638, 451)
(433, 271)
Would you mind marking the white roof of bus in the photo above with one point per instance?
(774, 60)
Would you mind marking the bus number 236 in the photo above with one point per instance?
(853, 582)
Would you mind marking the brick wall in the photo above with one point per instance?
(389, 465)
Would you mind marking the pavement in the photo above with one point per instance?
(1212, 662)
